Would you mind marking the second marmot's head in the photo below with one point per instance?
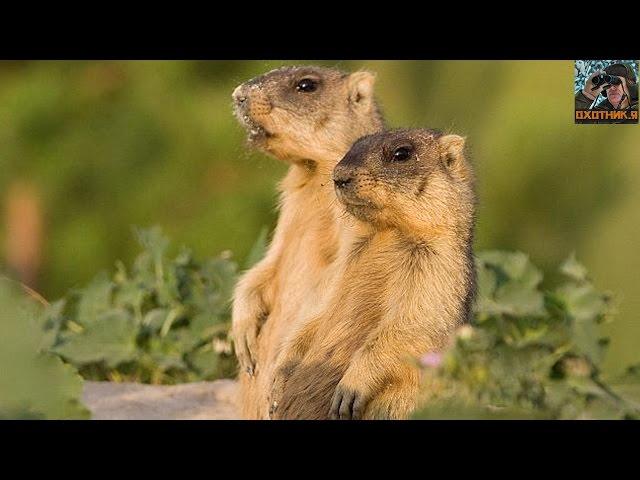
(411, 179)
(307, 113)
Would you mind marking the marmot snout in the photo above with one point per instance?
(251, 106)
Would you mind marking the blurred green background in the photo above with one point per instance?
(96, 147)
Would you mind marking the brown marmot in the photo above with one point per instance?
(308, 117)
(407, 280)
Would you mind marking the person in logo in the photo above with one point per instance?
(620, 95)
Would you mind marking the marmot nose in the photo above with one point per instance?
(342, 182)
(239, 96)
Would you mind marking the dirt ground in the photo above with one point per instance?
(133, 401)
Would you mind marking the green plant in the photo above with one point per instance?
(530, 353)
(34, 383)
(164, 320)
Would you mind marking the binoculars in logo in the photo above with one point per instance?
(603, 79)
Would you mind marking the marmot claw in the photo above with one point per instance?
(347, 404)
(273, 408)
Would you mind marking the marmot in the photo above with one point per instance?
(308, 117)
(407, 280)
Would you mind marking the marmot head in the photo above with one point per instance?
(307, 113)
(410, 179)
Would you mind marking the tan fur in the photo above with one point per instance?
(311, 131)
(404, 279)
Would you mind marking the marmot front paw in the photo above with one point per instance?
(245, 341)
(348, 403)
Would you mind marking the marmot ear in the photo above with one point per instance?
(360, 86)
(452, 152)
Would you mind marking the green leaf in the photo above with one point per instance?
(131, 294)
(513, 265)
(573, 269)
(220, 276)
(33, 384)
(51, 321)
(205, 360)
(153, 240)
(174, 314)
(95, 299)
(582, 302)
(508, 285)
(154, 319)
(487, 280)
(519, 299)
(204, 325)
(586, 339)
(182, 340)
(111, 339)
(167, 359)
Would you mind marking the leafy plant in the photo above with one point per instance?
(530, 353)
(164, 320)
(34, 384)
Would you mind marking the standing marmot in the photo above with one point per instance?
(309, 117)
(407, 281)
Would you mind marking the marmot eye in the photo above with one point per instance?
(307, 85)
(401, 154)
